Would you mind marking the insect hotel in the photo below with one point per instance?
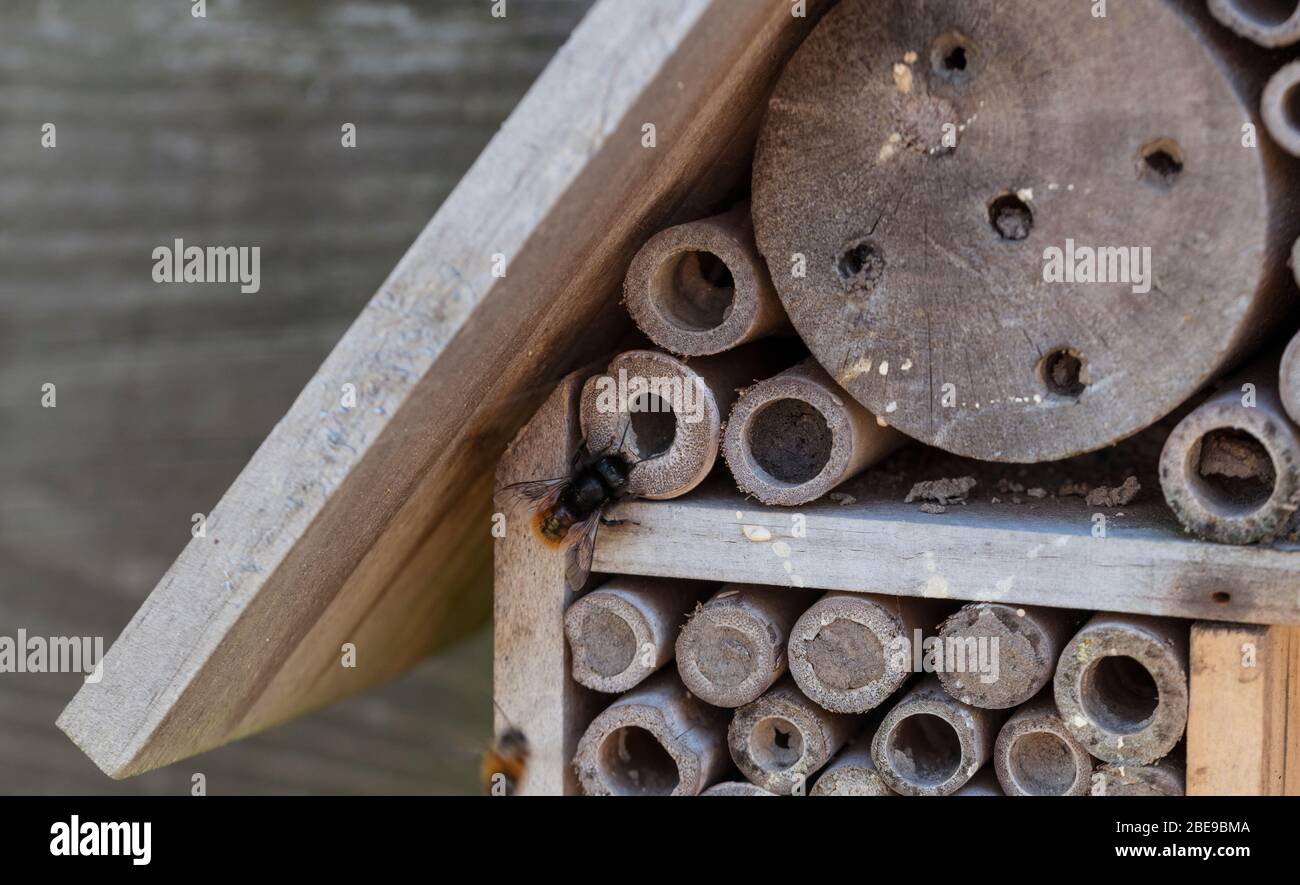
(865, 397)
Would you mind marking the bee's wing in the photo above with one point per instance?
(538, 492)
(583, 536)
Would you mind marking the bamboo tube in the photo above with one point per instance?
(736, 788)
(701, 288)
(624, 630)
(853, 772)
(1270, 23)
(780, 740)
(1035, 754)
(1164, 778)
(927, 195)
(657, 739)
(931, 744)
(794, 437)
(1230, 470)
(1278, 106)
(851, 651)
(733, 647)
(1288, 384)
(1121, 687)
(1025, 642)
(984, 783)
(672, 435)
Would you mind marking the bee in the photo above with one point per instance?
(506, 761)
(569, 510)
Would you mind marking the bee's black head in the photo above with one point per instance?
(513, 743)
(613, 471)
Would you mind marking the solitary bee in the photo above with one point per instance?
(568, 510)
(506, 762)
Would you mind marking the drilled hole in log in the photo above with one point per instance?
(634, 763)
(1062, 373)
(1162, 163)
(1042, 764)
(862, 264)
(924, 750)
(1231, 472)
(790, 441)
(951, 58)
(1266, 13)
(694, 291)
(775, 744)
(1119, 694)
(654, 426)
(1011, 217)
(1220, 598)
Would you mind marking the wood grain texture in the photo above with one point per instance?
(356, 524)
(917, 305)
(1243, 710)
(531, 682)
(225, 130)
(1036, 551)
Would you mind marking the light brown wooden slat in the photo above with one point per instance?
(1237, 721)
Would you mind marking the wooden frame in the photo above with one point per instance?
(1243, 733)
(368, 524)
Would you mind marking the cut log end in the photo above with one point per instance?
(975, 273)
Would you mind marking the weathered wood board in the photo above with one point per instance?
(350, 525)
(224, 130)
(530, 675)
(1040, 551)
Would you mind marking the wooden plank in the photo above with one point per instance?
(1237, 723)
(531, 667)
(337, 526)
(1039, 553)
(224, 130)
(1291, 786)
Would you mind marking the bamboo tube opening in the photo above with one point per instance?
(693, 290)
(1231, 472)
(789, 441)
(846, 655)
(610, 644)
(1280, 107)
(1036, 755)
(654, 426)
(1040, 763)
(1265, 13)
(701, 288)
(924, 750)
(797, 435)
(1119, 693)
(633, 763)
(776, 744)
(1121, 687)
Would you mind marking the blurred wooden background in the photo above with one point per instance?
(220, 131)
